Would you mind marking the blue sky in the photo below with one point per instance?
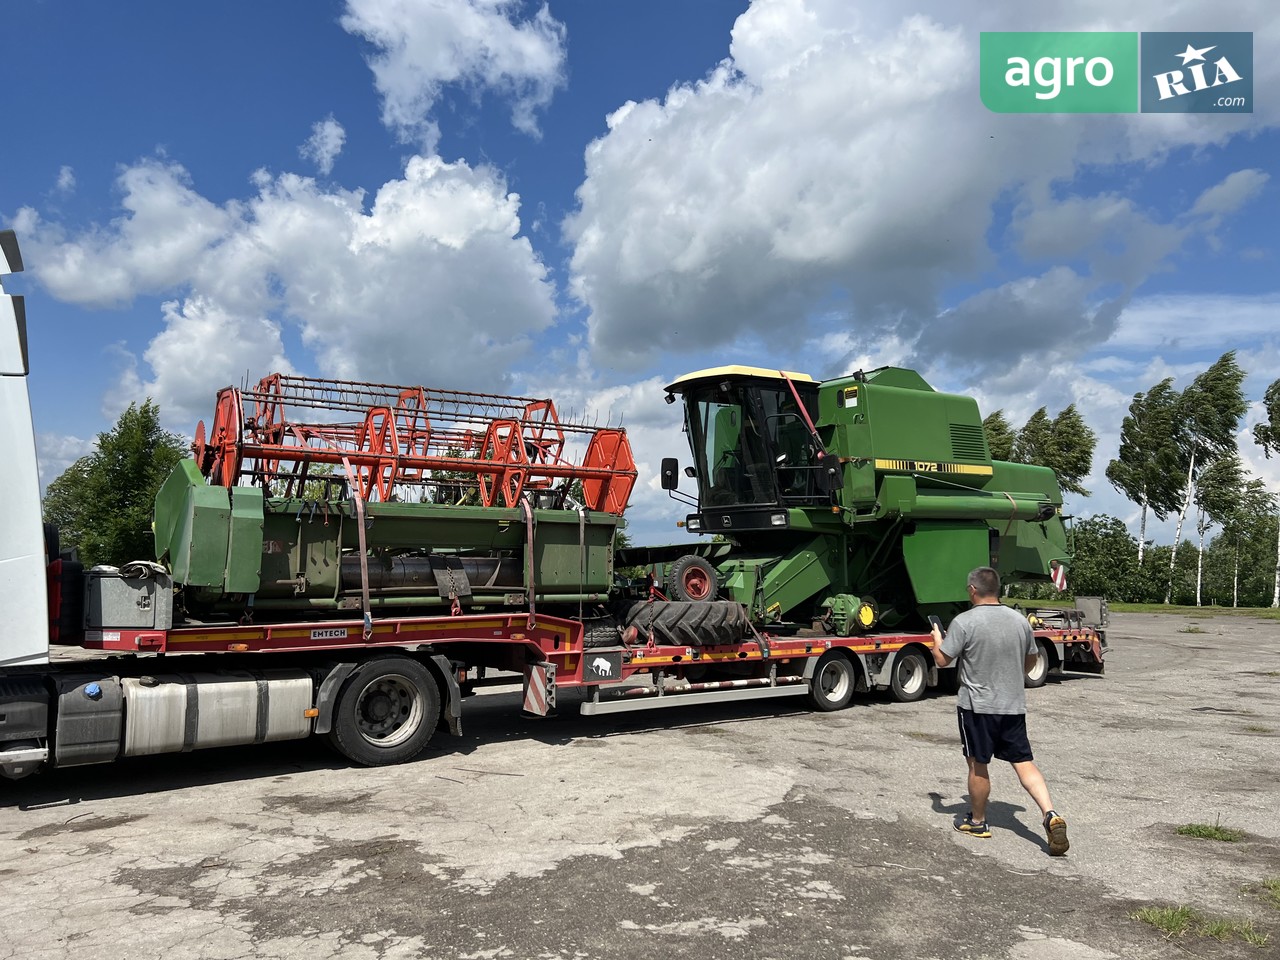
(587, 199)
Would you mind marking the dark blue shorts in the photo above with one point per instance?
(984, 735)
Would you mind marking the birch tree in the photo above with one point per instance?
(999, 435)
(1208, 415)
(1218, 492)
(1267, 436)
(1147, 469)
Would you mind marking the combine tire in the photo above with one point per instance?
(692, 579)
(386, 712)
(685, 624)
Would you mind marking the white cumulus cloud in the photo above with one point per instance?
(423, 45)
(840, 157)
(433, 283)
(324, 144)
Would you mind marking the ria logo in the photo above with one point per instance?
(1197, 73)
(1171, 84)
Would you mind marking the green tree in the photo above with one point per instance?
(1106, 560)
(1244, 544)
(1147, 469)
(1267, 436)
(1207, 416)
(1064, 444)
(1218, 492)
(999, 434)
(102, 503)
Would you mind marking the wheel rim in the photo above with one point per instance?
(696, 583)
(389, 711)
(1041, 665)
(910, 674)
(833, 682)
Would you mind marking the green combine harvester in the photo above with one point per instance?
(848, 506)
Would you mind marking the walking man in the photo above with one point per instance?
(993, 647)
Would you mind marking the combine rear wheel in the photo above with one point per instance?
(386, 713)
(690, 624)
(693, 579)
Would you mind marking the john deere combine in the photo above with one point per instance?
(849, 504)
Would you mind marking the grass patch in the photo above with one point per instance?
(1210, 831)
(1270, 889)
(1254, 728)
(1192, 628)
(1175, 922)
(1171, 921)
(1258, 613)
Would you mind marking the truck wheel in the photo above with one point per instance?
(386, 712)
(692, 579)
(833, 682)
(910, 677)
(686, 624)
(1039, 672)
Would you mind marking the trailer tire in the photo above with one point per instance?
(692, 579)
(386, 713)
(910, 677)
(1039, 672)
(690, 624)
(834, 678)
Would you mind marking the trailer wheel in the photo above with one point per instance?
(692, 579)
(386, 712)
(833, 681)
(910, 676)
(686, 624)
(1039, 672)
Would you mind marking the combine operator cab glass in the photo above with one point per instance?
(752, 445)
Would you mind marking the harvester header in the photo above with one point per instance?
(384, 438)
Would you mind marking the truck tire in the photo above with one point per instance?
(692, 579)
(688, 624)
(833, 681)
(386, 712)
(910, 677)
(1039, 672)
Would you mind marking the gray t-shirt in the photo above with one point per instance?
(990, 644)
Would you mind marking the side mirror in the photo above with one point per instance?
(670, 473)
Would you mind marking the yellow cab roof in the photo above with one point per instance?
(737, 371)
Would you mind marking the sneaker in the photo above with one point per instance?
(979, 829)
(1056, 827)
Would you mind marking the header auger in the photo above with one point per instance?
(380, 439)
